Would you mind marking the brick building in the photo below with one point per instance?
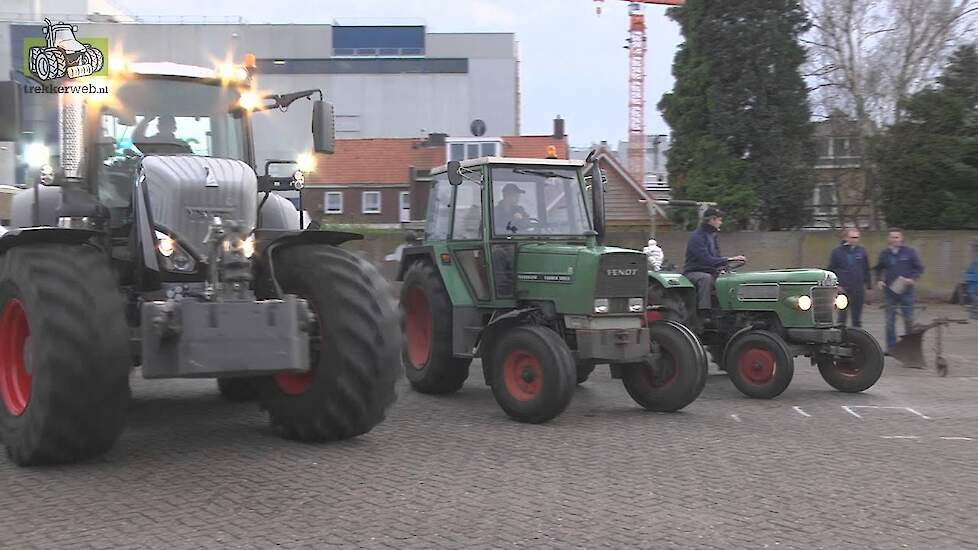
(840, 195)
(384, 182)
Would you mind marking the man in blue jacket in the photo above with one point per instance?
(896, 271)
(850, 263)
(703, 260)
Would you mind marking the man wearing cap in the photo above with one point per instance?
(508, 215)
(703, 260)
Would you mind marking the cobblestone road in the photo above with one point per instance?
(895, 467)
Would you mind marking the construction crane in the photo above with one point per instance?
(636, 83)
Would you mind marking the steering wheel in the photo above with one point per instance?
(533, 225)
(734, 265)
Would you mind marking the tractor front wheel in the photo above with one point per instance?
(673, 375)
(533, 373)
(759, 364)
(427, 313)
(64, 354)
(353, 347)
(856, 373)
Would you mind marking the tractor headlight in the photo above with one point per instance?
(636, 305)
(601, 305)
(245, 246)
(165, 244)
(804, 303)
(841, 301)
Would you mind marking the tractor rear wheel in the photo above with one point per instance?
(64, 354)
(533, 373)
(859, 372)
(673, 376)
(238, 389)
(353, 347)
(759, 364)
(427, 353)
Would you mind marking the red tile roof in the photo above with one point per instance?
(386, 161)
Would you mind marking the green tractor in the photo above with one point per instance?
(767, 318)
(511, 269)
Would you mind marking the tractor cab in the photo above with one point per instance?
(511, 269)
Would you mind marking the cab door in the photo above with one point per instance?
(467, 243)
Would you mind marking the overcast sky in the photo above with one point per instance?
(572, 61)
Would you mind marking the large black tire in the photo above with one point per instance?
(861, 371)
(672, 378)
(427, 317)
(354, 347)
(238, 389)
(533, 373)
(62, 320)
(673, 308)
(759, 364)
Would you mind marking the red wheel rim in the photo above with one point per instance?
(15, 380)
(418, 327)
(522, 375)
(652, 316)
(757, 366)
(294, 384)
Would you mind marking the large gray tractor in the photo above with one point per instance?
(165, 249)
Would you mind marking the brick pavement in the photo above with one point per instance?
(801, 471)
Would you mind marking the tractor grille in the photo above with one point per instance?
(622, 275)
(823, 304)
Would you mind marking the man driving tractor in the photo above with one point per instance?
(703, 260)
(510, 217)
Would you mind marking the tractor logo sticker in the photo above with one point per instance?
(60, 54)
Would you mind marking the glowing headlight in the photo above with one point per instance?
(601, 305)
(298, 179)
(306, 162)
(841, 301)
(804, 303)
(165, 244)
(250, 101)
(248, 246)
(37, 155)
(636, 305)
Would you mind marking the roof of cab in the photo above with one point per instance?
(511, 160)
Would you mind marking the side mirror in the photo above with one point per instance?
(9, 111)
(454, 175)
(323, 127)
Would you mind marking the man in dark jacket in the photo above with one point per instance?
(897, 269)
(703, 260)
(851, 263)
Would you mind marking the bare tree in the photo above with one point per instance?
(867, 56)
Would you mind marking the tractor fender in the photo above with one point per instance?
(669, 280)
(269, 241)
(44, 235)
(411, 254)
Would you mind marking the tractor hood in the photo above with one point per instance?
(819, 277)
(186, 192)
(574, 275)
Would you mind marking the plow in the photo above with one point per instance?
(909, 350)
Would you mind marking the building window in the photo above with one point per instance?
(371, 202)
(405, 200)
(473, 149)
(333, 203)
(385, 41)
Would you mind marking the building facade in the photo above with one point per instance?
(392, 81)
(841, 194)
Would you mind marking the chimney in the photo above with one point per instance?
(436, 140)
(558, 128)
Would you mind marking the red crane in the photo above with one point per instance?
(636, 83)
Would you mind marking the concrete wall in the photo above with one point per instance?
(946, 254)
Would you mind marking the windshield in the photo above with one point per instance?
(164, 117)
(535, 200)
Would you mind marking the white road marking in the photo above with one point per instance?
(900, 437)
(735, 417)
(848, 409)
(801, 412)
(958, 438)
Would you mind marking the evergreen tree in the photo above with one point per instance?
(739, 112)
(928, 163)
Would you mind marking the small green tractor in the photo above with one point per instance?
(764, 320)
(510, 269)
